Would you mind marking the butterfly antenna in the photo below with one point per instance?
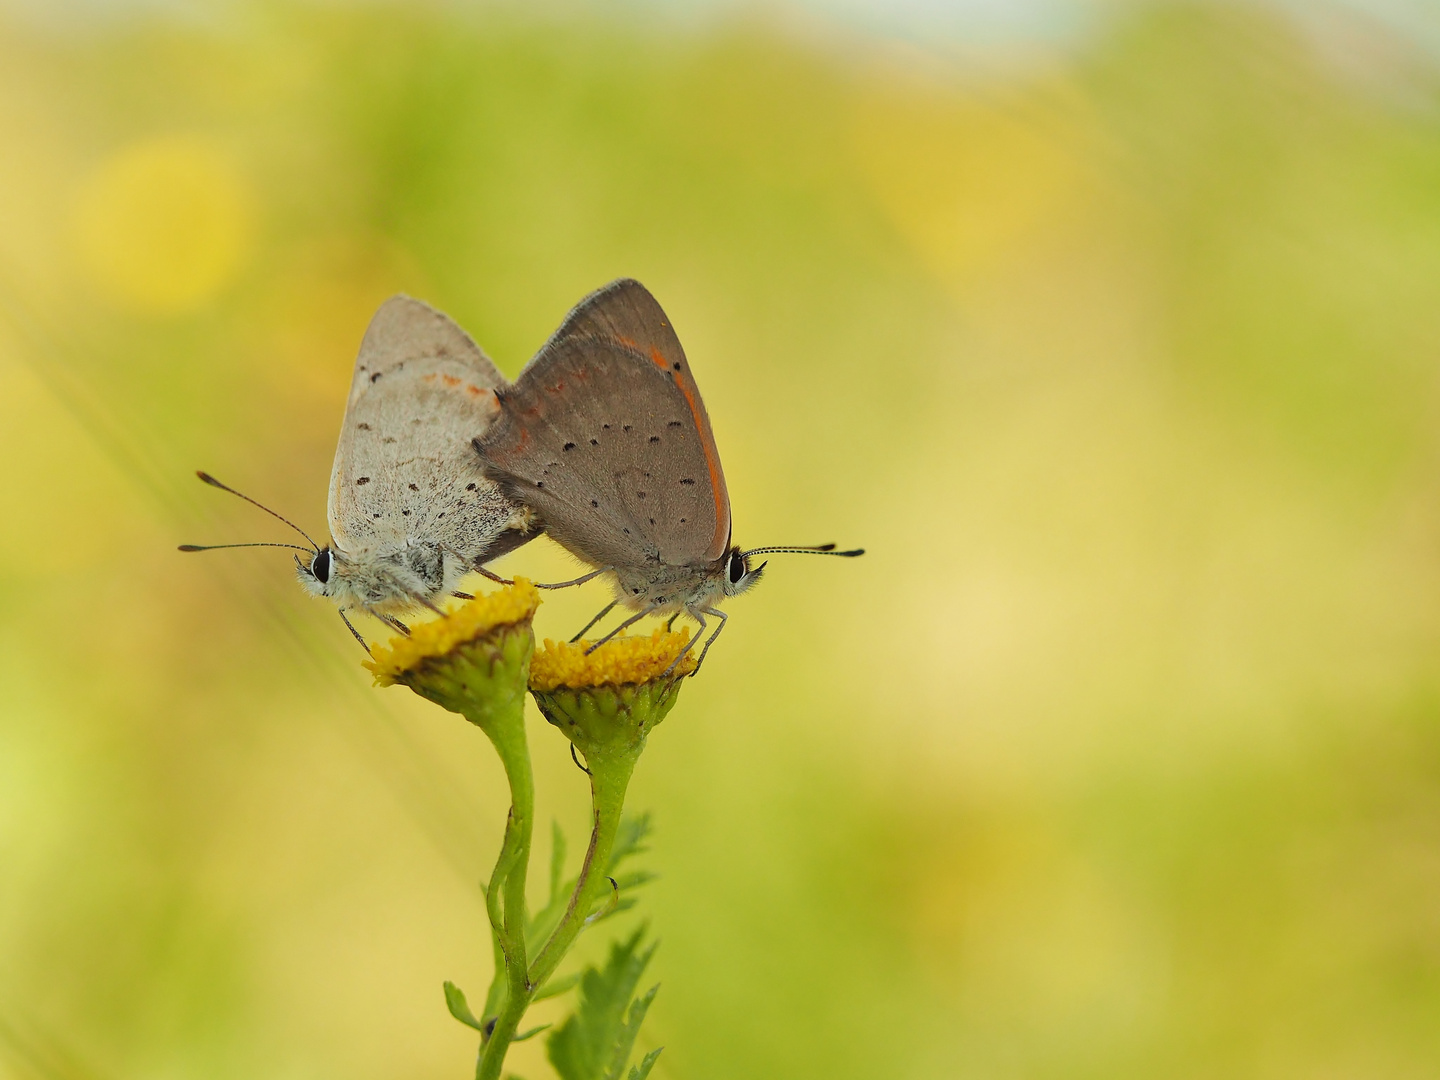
(817, 549)
(217, 547)
(207, 478)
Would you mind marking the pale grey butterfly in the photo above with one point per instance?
(410, 509)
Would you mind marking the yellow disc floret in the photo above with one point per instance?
(473, 619)
(617, 662)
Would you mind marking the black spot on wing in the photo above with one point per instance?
(362, 481)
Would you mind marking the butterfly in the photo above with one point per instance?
(410, 510)
(605, 437)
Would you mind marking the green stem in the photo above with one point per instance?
(609, 778)
(506, 728)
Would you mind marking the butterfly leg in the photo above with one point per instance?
(582, 579)
(395, 624)
(689, 644)
(355, 633)
(671, 621)
(603, 612)
(575, 581)
(463, 595)
(711, 641)
(423, 602)
(628, 622)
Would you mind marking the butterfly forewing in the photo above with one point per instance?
(609, 443)
(404, 467)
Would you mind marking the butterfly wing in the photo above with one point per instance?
(605, 435)
(404, 470)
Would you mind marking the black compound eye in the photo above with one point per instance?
(737, 567)
(320, 567)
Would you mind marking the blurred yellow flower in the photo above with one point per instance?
(623, 660)
(163, 225)
(967, 184)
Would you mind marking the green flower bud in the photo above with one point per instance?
(473, 661)
(608, 701)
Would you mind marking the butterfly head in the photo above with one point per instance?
(738, 575)
(318, 573)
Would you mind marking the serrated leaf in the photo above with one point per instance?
(557, 862)
(641, 1071)
(460, 1008)
(625, 1040)
(629, 842)
(607, 907)
(588, 1044)
(556, 987)
(635, 879)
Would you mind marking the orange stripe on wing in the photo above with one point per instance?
(707, 444)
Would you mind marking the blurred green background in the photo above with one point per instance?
(1113, 335)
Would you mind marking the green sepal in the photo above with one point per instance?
(460, 1008)
(606, 721)
(478, 679)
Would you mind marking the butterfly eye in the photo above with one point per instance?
(320, 566)
(737, 568)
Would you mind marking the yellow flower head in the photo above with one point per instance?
(617, 662)
(435, 641)
(608, 702)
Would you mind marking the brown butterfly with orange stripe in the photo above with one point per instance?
(605, 436)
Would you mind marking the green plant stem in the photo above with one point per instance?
(609, 779)
(506, 728)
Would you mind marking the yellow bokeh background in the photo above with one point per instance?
(161, 226)
(1117, 755)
